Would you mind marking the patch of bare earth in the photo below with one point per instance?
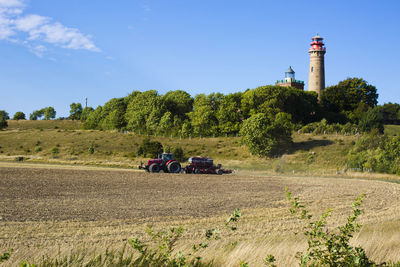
(55, 210)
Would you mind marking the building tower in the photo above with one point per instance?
(290, 80)
(316, 81)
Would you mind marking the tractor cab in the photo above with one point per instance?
(166, 157)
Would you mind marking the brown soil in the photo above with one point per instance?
(46, 210)
(31, 194)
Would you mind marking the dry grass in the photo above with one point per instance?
(55, 210)
(34, 141)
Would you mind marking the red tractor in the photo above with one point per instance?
(203, 165)
(165, 162)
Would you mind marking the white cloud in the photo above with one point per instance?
(30, 22)
(11, 3)
(39, 29)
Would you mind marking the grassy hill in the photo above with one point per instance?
(34, 141)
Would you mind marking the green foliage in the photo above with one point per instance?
(93, 119)
(377, 153)
(36, 114)
(229, 114)
(144, 110)
(38, 149)
(49, 113)
(19, 115)
(346, 97)
(55, 151)
(274, 99)
(322, 127)
(372, 119)
(390, 111)
(91, 148)
(178, 154)
(265, 136)
(3, 119)
(150, 148)
(75, 112)
(325, 247)
(86, 113)
(203, 117)
(5, 256)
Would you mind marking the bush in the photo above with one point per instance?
(19, 116)
(178, 154)
(38, 149)
(91, 148)
(150, 148)
(323, 127)
(265, 136)
(372, 119)
(3, 119)
(55, 151)
(327, 248)
(377, 153)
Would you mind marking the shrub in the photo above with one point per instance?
(150, 148)
(55, 151)
(327, 248)
(377, 153)
(265, 136)
(19, 116)
(91, 148)
(372, 119)
(178, 154)
(38, 149)
(3, 119)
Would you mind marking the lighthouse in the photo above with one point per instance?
(290, 80)
(316, 81)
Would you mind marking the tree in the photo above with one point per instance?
(302, 106)
(113, 115)
(267, 136)
(229, 113)
(346, 96)
(390, 111)
(372, 119)
(19, 116)
(179, 103)
(75, 111)
(36, 114)
(93, 119)
(203, 117)
(3, 119)
(139, 109)
(86, 113)
(49, 113)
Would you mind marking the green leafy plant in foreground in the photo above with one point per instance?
(327, 248)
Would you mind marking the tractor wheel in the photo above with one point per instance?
(174, 167)
(154, 167)
(197, 171)
(220, 172)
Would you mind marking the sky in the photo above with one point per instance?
(54, 53)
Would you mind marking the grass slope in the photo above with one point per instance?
(35, 140)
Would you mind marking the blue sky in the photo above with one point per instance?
(57, 52)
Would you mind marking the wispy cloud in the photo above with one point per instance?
(35, 31)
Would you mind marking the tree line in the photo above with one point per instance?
(269, 112)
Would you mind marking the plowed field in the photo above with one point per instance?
(44, 207)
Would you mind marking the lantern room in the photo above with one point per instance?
(289, 74)
(317, 44)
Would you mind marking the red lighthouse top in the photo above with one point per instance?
(317, 44)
